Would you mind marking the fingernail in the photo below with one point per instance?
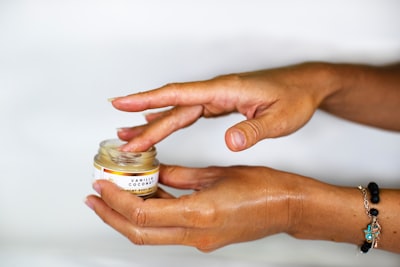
(238, 139)
(111, 99)
(97, 188)
(122, 129)
(88, 203)
(146, 114)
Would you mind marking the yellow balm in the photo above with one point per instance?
(136, 172)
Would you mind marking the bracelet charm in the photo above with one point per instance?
(373, 229)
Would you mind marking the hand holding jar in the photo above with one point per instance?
(230, 205)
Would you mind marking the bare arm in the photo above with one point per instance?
(366, 94)
(335, 213)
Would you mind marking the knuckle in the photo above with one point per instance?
(205, 249)
(200, 214)
(208, 214)
(174, 89)
(233, 79)
(136, 237)
(172, 86)
(199, 239)
(256, 130)
(138, 217)
(206, 244)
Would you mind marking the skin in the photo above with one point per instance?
(276, 103)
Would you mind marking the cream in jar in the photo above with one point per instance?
(135, 172)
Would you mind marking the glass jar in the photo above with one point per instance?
(136, 172)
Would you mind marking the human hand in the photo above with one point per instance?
(275, 102)
(229, 205)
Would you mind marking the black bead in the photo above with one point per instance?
(365, 247)
(373, 188)
(375, 199)
(372, 185)
(373, 212)
(374, 191)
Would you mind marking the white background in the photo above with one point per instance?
(61, 60)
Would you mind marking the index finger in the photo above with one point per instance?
(172, 212)
(173, 94)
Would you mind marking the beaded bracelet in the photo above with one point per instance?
(374, 228)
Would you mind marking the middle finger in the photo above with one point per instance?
(147, 135)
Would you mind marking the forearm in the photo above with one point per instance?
(338, 214)
(365, 94)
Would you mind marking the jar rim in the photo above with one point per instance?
(115, 144)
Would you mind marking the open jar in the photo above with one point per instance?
(135, 172)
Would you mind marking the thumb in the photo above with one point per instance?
(248, 132)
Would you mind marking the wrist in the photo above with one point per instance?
(326, 80)
(341, 80)
(298, 197)
(329, 212)
(310, 203)
(292, 209)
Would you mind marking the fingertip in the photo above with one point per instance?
(89, 202)
(129, 147)
(114, 100)
(134, 147)
(235, 140)
(121, 103)
(97, 187)
(125, 133)
(111, 99)
(122, 130)
(138, 143)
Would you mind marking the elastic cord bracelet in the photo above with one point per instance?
(374, 228)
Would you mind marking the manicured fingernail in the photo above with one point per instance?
(88, 203)
(238, 139)
(97, 188)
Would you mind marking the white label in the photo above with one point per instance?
(139, 183)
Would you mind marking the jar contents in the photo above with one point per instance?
(136, 172)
